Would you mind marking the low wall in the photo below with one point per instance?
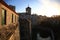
(7, 32)
(16, 35)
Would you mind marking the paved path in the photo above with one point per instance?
(40, 38)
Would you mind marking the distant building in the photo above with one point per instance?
(13, 7)
(28, 10)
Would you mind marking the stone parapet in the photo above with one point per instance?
(7, 31)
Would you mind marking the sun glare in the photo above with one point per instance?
(49, 8)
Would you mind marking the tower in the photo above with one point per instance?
(28, 10)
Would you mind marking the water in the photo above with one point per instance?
(40, 38)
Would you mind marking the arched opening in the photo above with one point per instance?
(42, 34)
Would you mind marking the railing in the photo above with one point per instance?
(7, 31)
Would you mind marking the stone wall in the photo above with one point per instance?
(9, 13)
(9, 30)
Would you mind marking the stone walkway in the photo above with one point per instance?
(40, 38)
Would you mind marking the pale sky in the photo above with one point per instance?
(49, 7)
(40, 7)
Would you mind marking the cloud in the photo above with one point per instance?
(50, 7)
(58, 1)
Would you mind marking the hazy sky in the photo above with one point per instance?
(40, 7)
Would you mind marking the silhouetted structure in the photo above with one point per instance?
(13, 7)
(48, 27)
(28, 10)
(25, 24)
